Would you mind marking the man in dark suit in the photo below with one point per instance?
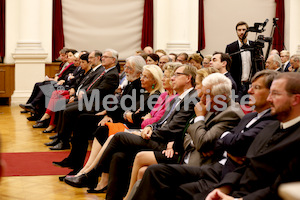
(120, 152)
(285, 59)
(105, 83)
(184, 182)
(242, 67)
(222, 62)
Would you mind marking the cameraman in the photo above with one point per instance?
(241, 67)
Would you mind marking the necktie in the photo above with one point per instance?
(177, 99)
(95, 80)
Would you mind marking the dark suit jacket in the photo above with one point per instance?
(205, 133)
(132, 90)
(236, 66)
(241, 138)
(268, 156)
(286, 69)
(88, 78)
(173, 128)
(65, 74)
(234, 87)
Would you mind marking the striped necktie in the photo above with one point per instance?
(95, 80)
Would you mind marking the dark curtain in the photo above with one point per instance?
(147, 29)
(278, 38)
(57, 29)
(201, 32)
(2, 28)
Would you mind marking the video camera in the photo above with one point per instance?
(261, 39)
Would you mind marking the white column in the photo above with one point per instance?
(29, 55)
(176, 25)
(292, 26)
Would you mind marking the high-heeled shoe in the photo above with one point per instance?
(50, 131)
(103, 190)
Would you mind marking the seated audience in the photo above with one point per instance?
(160, 52)
(148, 50)
(195, 59)
(60, 96)
(183, 58)
(87, 123)
(90, 98)
(157, 112)
(212, 126)
(121, 150)
(173, 56)
(152, 59)
(258, 170)
(36, 102)
(163, 60)
(206, 61)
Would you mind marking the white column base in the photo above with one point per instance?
(29, 69)
(20, 96)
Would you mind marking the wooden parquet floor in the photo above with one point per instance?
(17, 135)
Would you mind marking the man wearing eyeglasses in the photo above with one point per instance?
(285, 59)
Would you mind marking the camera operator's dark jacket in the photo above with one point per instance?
(236, 66)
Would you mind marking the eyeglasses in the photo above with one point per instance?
(107, 57)
(176, 74)
(128, 67)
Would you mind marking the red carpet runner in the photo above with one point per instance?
(34, 163)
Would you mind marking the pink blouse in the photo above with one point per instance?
(159, 109)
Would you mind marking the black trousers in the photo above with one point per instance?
(178, 182)
(68, 121)
(87, 124)
(123, 147)
(119, 183)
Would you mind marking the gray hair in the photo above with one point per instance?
(218, 83)
(277, 60)
(295, 57)
(138, 62)
(114, 53)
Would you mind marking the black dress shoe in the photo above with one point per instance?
(60, 146)
(77, 181)
(53, 136)
(23, 111)
(32, 118)
(64, 163)
(29, 107)
(103, 190)
(23, 105)
(82, 181)
(53, 142)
